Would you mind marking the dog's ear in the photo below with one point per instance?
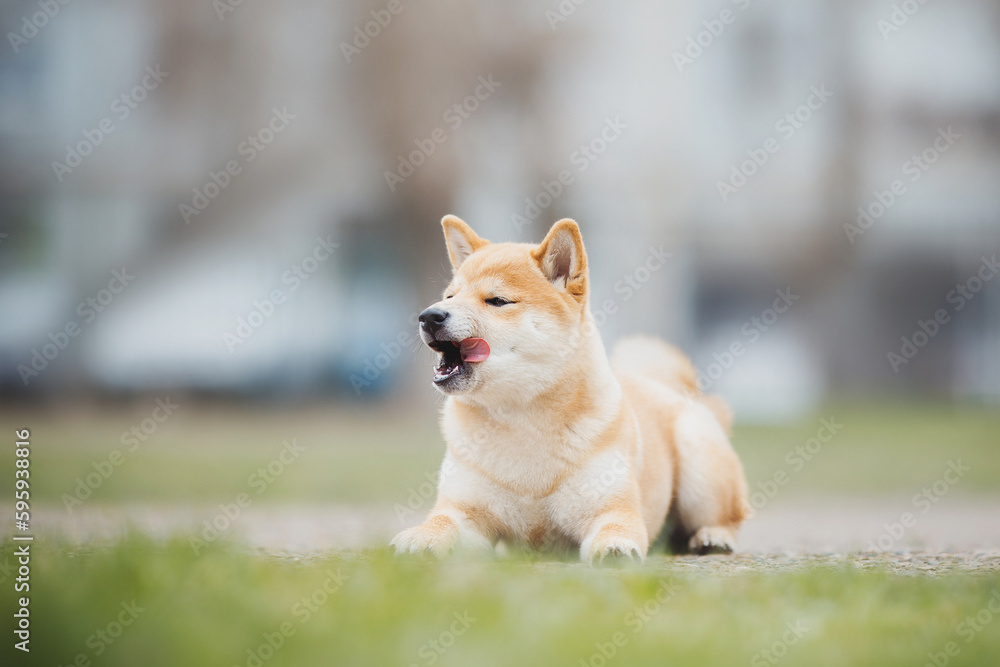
(562, 259)
(460, 239)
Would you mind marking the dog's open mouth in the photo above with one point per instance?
(455, 357)
(451, 361)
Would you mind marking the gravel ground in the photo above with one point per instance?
(955, 535)
(908, 562)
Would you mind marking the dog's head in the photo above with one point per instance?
(512, 314)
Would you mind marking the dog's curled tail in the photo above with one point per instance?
(652, 358)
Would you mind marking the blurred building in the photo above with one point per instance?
(822, 176)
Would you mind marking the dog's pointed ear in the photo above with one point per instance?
(562, 258)
(460, 239)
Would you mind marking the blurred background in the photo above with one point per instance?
(219, 220)
(224, 154)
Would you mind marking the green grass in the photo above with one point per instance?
(211, 608)
(880, 449)
(208, 455)
(204, 455)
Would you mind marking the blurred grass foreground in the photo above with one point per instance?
(140, 603)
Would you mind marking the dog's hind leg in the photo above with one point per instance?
(711, 493)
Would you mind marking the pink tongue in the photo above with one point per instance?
(474, 349)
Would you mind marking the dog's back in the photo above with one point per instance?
(654, 359)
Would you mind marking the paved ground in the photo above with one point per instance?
(954, 534)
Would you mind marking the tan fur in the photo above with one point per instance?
(548, 441)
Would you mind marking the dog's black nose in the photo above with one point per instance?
(432, 318)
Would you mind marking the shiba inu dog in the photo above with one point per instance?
(550, 443)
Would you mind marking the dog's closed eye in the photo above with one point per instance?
(498, 301)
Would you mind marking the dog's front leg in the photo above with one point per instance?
(445, 528)
(616, 533)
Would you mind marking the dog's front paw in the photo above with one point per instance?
(615, 551)
(437, 535)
